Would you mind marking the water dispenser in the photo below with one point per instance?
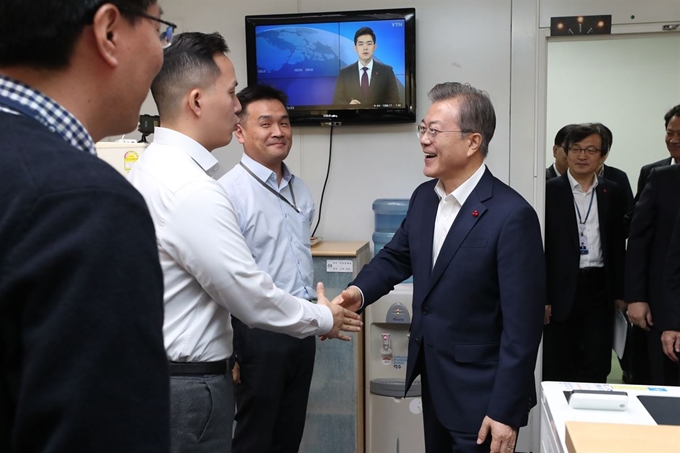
(393, 423)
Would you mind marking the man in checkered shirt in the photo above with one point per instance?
(82, 361)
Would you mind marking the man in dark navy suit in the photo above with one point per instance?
(584, 252)
(672, 118)
(670, 338)
(366, 82)
(651, 229)
(650, 236)
(473, 246)
(612, 173)
(560, 165)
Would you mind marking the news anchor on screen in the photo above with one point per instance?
(366, 82)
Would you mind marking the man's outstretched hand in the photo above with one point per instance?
(344, 320)
(349, 298)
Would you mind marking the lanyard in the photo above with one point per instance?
(266, 186)
(578, 211)
(292, 205)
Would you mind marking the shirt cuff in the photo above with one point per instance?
(326, 319)
(362, 296)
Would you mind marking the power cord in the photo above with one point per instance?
(323, 191)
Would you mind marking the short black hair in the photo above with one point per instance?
(581, 131)
(562, 134)
(675, 111)
(254, 93)
(189, 62)
(43, 33)
(607, 137)
(476, 112)
(364, 31)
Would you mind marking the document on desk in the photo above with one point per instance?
(620, 332)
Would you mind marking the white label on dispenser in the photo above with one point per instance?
(387, 360)
(416, 406)
(339, 266)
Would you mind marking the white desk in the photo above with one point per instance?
(555, 410)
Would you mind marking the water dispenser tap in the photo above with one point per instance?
(386, 350)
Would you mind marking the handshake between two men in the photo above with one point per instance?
(344, 307)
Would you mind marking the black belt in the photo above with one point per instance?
(192, 368)
(589, 272)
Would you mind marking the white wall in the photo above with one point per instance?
(625, 82)
(496, 45)
(457, 40)
(622, 11)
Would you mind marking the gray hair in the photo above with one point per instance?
(476, 113)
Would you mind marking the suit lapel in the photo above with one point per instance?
(570, 218)
(602, 211)
(375, 72)
(429, 217)
(464, 223)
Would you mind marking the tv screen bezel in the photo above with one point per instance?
(328, 115)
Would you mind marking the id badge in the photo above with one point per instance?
(583, 244)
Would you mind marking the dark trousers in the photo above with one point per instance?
(271, 400)
(662, 370)
(635, 361)
(579, 348)
(439, 439)
(201, 413)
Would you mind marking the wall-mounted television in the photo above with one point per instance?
(312, 57)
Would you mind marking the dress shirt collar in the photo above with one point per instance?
(575, 185)
(200, 155)
(557, 172)
(46, 111)
(463, 191)
(264, 173)
(369, 66)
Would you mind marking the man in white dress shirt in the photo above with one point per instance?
(275, 213)
(584, 252)
(208, 270)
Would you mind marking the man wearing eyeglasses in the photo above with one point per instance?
(473, 246)
(584, 253)
(651, 229)
(81, 288)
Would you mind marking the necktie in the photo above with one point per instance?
(364, 82)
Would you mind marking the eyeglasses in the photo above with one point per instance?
(432, 133)
(591, 150)
(166, 35)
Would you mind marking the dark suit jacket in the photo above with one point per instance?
(83, 366)
(562, 245)
(550, 173)
(671, 282)
(644, 174)
(650, 235)
(478, 314)
(621, 178)
(383, 87)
